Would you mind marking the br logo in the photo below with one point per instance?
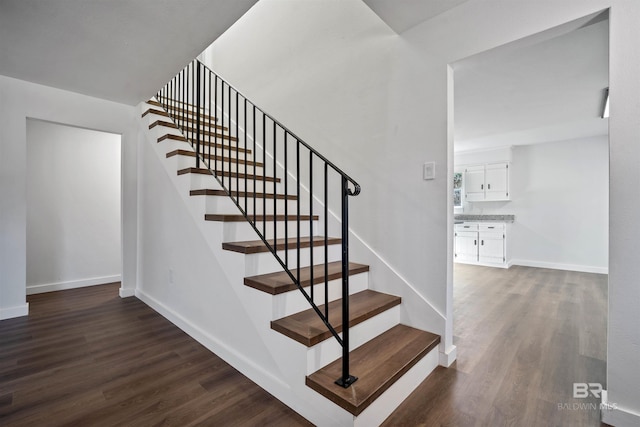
(583, 390)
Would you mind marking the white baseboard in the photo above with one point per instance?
(17, 311)
(447, 357)
(234, 358)
(127, 292)
(61, 286)
(560, 266)
(614, 415)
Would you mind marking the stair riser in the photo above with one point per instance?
(293, 302)
(384, 405)
(224, 205)
(199, 181)
(265, 262)
(239, 231)
(329, 350)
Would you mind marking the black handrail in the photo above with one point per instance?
(196, 95)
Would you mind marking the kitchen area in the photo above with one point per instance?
(482, 239)
(542, 205)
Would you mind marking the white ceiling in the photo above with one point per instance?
(538, 90)
(118, 50)
(401, 15)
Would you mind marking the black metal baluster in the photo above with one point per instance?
(222, 138)
(229, 138)
(264, 175)
(286, 200)
(298, 208)
(246, 165)
(326, 243)
(197, 95)
(254, 164)
(275, 210)
(209, 125)
(215, 130)
(311, 222)
(237, 152)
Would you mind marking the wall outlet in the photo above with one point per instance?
(429, 171)
(171, 277)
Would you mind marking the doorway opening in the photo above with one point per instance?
(534, 302)
(73, 207)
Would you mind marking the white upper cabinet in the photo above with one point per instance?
(486, 182)
(474, 181)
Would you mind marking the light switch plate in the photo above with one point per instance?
(429, 170)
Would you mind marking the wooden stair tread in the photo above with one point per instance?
(203, 132)
(172, 125)
(257, 246)
(280, 282)
(174, 101)
(212, 144)
(212, 192)
(202, 135)
(188, 153)
(240, 218)
(203, 171)
(378, 364)
(166, 114)
(307, 328)
(203, 116)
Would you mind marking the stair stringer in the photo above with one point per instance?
(276, 363)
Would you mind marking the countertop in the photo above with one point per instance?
(482, 218)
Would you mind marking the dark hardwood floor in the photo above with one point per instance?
(86, 357)
(524, 336)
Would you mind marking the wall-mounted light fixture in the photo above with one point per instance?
(605, 107)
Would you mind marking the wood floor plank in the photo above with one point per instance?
(523, 336)
(88, 357)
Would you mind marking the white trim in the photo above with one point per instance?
(448, 356)
(389, 401)
(126, 292)
(17, 311)
(614, 415)
(72, 284)
(560, 266)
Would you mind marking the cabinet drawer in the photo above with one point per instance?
(466, 227)
(491, 227)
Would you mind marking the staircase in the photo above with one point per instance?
(241, 184)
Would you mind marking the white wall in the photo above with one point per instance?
(477, 26)
(380, 104)
(22, 100)
(324, 71)
(73, 207)
(560, 197)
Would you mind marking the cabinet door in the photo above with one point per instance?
(491, 247)
(474, 183)
(497, 181)
(466, 246)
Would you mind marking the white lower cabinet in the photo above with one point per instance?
(481, 243)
